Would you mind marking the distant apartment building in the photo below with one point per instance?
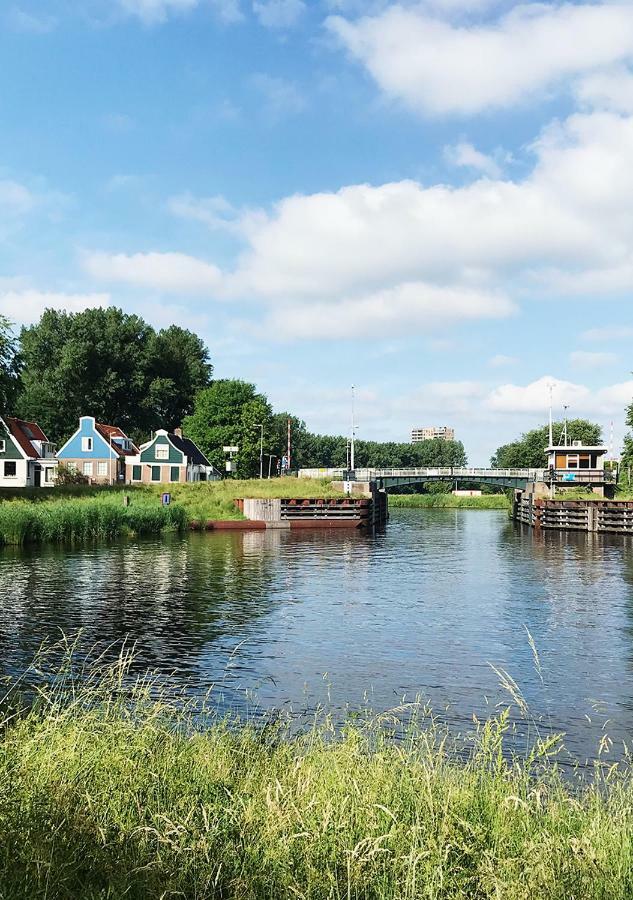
(444, 433)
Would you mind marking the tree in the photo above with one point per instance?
(529, 450)
(111, 365)
(9, 366)
(229, 413)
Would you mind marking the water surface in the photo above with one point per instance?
(346, 619)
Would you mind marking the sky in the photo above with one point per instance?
(432, 201)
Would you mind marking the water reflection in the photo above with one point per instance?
(321, 617)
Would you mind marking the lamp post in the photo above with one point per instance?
(261, 449)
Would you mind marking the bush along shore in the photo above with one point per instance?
(112, 792)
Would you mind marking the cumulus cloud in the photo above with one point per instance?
(159, 271)
(438, 67)
(157, 12)
(535, 397)
(278, 13)
(25, 306)
(465, 155)
(421, 307)
(611, 89)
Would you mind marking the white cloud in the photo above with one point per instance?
(582, 400)
(437, 67)
(280, 97)
(409, 307)
(608, 333)
(501, 360)
(26, 306)
(278, 13)
(215, 212)
(26, 21)
(535, 397)
(465, 155)
(611, 89)
(159, 271)
(155, 12)
(15, 198)
(586, 360)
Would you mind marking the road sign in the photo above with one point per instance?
(230, 449)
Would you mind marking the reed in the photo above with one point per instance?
(110, 791)
(448, 501)
(91, 518)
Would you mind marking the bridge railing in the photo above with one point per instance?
(462, 473)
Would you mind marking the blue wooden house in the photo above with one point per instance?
(98, 452)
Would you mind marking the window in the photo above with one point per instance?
(136, 473)
(48, 475)
(72, 467)
(155, 473)
(86, 445)
(3, 446)
(87, 469)
(162, 451)
(10, 469)
(102, 468)
(174, 474)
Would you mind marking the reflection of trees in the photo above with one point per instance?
(173, 598)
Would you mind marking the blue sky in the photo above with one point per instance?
(432, 201)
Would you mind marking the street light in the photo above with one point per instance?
(261, 450)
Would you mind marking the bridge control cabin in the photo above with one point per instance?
(578, 465)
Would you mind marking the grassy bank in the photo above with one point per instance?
(107, 796)
(82, 513)
(447, 501)
(69, 520)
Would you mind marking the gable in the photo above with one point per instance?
(174, 456)
(10, 449)
(101, 449)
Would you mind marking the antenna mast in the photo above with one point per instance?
(565, 435)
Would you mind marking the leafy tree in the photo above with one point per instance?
(9, 366)
(331, 451)
(529, 450)
(114, 366)
(229, 413)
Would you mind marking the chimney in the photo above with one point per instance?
(178, 432)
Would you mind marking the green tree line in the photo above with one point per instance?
(116, 367)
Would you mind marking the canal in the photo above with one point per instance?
(301, 619)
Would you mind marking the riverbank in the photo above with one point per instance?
(111, 795)
(448, 501)
(81, 513)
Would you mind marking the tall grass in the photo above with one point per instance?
(448, 501)
(108, 792)
(91, 518)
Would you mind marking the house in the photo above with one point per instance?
(169, 458)
(27, 457)
(578, 465)
(98, 452)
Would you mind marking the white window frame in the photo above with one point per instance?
(86, 445)
(48, 474)
(102, 468)
(87, 469)
(4, 468)
(162, 452)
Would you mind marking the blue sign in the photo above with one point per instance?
(569, 476)
(165, 499)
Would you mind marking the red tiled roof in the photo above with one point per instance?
(24, 433)
(111, 431)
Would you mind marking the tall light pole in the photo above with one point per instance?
(261, 449)
(352, 447)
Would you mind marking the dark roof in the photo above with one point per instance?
(190, 449)
(24, 433)
(111, 431)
